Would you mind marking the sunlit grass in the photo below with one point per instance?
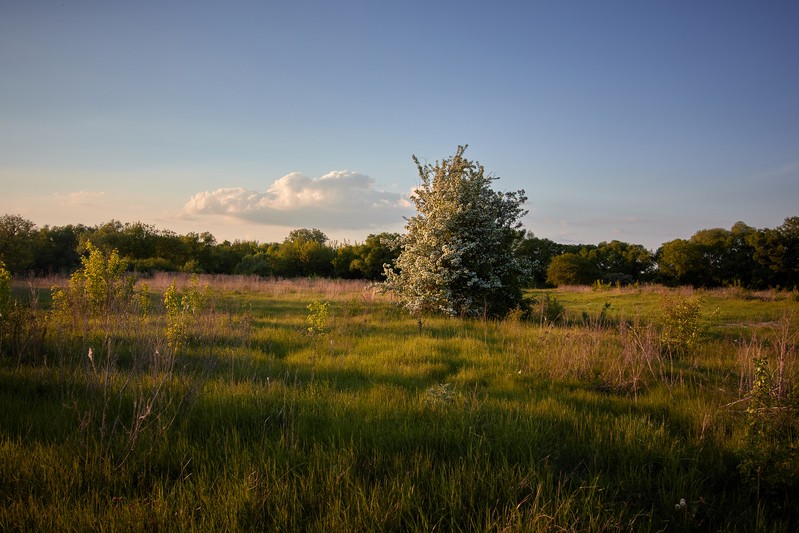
(375, 425)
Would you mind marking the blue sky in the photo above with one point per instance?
(637, 121)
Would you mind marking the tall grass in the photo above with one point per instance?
(589, 422)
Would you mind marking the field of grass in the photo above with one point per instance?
(635, 409)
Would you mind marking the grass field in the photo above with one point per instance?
(239, 408)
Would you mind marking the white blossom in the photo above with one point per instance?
(457, 256)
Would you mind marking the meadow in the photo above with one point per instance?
(240, 403)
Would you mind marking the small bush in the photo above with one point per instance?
(5, 290)
(99, 288)
(317, 318)
(21, 329)
(515, 315)
(683, 324)
(551, 310)
(770, 452)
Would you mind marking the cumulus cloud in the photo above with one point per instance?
(338, 200)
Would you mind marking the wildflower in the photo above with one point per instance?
(682, 503)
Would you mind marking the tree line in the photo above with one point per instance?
(28, 249)
(743, 255)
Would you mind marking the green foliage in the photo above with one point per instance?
(181, 309)
(196, 300)
(258, 264)
(613, 263)
(102, 279)
(5, 291)
(683, 323)
(539, 253)
(176, 323)
(745, 255)
(56, 249)
(192, 266)
(151, 265)
(619, 262)
(599, 320)
(303, 253)
(142, 299)
(317, 317)
(752, 258)
(369, 259)
(550, 310)
(516, 315)
(16, 243)
(98, 287)
(571, 269)
(6, 315)
(458, 255)
(770, 455)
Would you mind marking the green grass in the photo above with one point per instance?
(581, 424)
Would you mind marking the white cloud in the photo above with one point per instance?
(338, 200)
(85, 198)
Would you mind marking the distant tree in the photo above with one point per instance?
(257, 264)
(139, 240)
(715, 261)
(538, 253)
(343, 261)
(304, 235)
(769, 255)
(739, 256)
(376, 252)
(17, 243)
(198, 250)
(679, 262)
(618, 261)
(715, 257)
(789, 236)
(225, 255)
(365, 260)
(105, 237)
(132, 241)
(572, 269)
(304, 252)
(171, 247)
(775, 253)
(56, 249)
(458, 255)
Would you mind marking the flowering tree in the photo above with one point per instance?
(457, 257)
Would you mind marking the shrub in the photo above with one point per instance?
(98, 288)
(550, 310)
(5, 290)
(683, 324)
(317, 317)
(770, 452)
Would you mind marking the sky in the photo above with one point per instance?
(637, 121)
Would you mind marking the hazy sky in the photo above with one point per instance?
(637, 121)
